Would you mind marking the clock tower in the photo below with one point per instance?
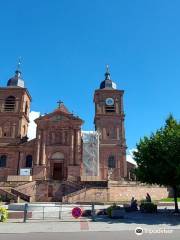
(109, 122)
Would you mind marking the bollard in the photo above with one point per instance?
(25, 212)
(60, 211)
(93, 212)
(43, 212)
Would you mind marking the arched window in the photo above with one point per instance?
(10, 103)
(29, 161)
(3, 159)
(111, 162)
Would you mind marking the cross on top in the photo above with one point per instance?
(107, 68)
(19, 64)
(59, 103)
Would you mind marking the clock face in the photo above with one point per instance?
(109, 101)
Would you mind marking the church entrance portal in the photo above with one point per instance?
(58, 171)
(57, 165)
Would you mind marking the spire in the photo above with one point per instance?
(107, 83)
(18, 72)
(17, 80)
(107, 73)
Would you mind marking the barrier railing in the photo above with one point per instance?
(62, 212)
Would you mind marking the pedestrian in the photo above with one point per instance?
(148, 197)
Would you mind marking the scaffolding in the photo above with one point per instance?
(90, 153)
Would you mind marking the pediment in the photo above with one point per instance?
(58, 118)
(54, 117)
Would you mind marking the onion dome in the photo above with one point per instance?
(17, 80)
(107, 83)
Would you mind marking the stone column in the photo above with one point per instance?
(17, 106)
(117, 133)
(117, 108)
(122, 107)
(72, 149)
(63, 137)
(38, 149)
(14, 131)
(77, 146)
(79, 138)
(52, 138)
(43, 155)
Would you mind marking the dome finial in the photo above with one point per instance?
(107, 68)
(18, 71)
(107, 73)
(19, 63)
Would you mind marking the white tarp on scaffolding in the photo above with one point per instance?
(90, 153)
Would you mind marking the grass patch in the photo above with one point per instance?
(169, 200)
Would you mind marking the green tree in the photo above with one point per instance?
(158, 157)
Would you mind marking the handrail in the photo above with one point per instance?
(20, 194)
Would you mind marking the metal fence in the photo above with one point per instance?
(61, 212)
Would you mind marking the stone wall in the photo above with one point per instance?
(87, 195)
(46, 191)
(125, 192)
(117, 193)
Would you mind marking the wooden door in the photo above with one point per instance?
(58, 171)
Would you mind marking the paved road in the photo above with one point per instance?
(122, 235)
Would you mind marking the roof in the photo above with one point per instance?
(60, 111)
(16, 81)
(107, 83)
(62, 108)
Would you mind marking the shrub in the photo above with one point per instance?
(148, 207)
(113, 207)
(2, 198)
(3, 214)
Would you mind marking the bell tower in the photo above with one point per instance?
(109, 122)
(14, 110)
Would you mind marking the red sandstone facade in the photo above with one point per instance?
(109, 121)
(54, 159)
(56, 152)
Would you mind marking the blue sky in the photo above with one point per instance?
(65, 45)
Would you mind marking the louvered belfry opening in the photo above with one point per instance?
(110, 108)
(10, 103)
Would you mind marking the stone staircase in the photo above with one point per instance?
(16, 193)
(50, 190)
(6, 195)
(87, 194)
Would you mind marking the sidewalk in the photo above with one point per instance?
(103, 224)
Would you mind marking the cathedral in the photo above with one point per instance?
(56, 154)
